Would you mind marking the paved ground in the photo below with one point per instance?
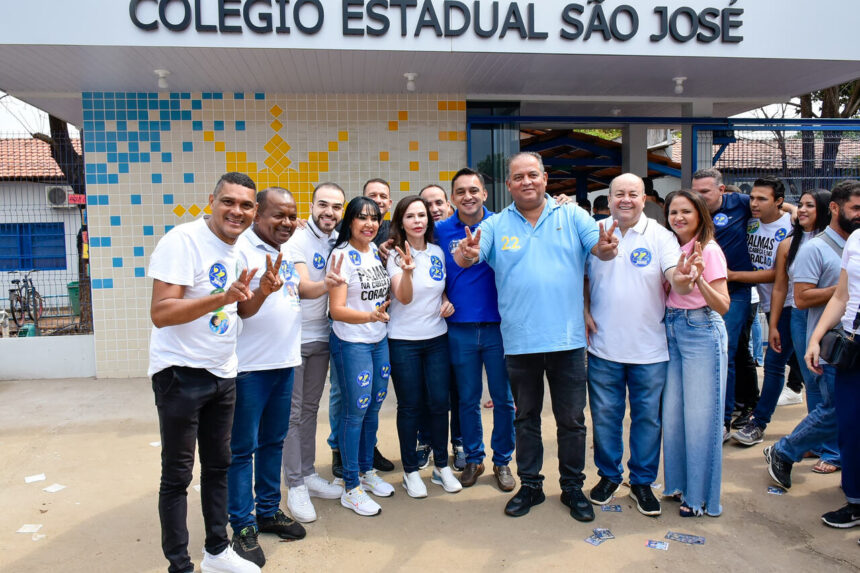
(93, 436)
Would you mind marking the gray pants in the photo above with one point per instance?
(300, 443)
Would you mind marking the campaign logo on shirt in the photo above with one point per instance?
(435, 262)
(753, 227)
(721, 219)
(355, 258)
(218, 275)
(376, 255)
(385, 371)
(436, 274)
(380, 396)
(780, 234)
(640, 257)
(219, 323)
(319, 261)
(286, 271)
(363, 401)
(452, 246)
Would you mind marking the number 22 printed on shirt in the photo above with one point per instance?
(510, 243)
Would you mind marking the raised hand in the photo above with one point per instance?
(447, 309)
(686, 271)
(271, 280)
(699, 260)
(379, 315)
(406, 263)
(239, 291)
(607, 244)
(384, 249)
(470, 247)
(333, 278)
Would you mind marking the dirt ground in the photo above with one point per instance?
(94, 437)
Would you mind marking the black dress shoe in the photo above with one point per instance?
(336, 464)
(523, 501)
(380, 462)
(580, 507)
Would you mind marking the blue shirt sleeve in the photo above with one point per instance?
(585, 226)
(487, 228)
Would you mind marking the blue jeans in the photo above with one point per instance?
(816, 428)
(828, 450)
(735, 320)
(472, 346)
(693, 407)
(420, 371)
(774, 371)
(362, 375)
(260, 425)
(848, 421)
(334, 407)
(756, 341)
(453, 407)
(608, 384)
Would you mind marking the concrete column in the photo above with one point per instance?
(634, 150)
(704, 146)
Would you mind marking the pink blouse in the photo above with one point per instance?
(715, 268)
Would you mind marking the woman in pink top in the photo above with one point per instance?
(694, 395)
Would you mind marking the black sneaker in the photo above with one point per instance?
(743, 418)
(778, 467)
(380, 463)
(646, 503)
(580, 509)
(524, 500)
(848, 516)
(602, 492)
(281, 525)
(246, 545)
(336, 464)
(423, 452)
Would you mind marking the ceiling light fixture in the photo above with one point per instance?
(162, 78)
(615, 111)
(679, 84)
(410, 81)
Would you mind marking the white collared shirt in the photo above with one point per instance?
(421, 318)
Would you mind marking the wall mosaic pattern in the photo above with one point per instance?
(153, 158)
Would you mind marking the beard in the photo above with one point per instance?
(846, 224)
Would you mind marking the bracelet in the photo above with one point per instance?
(469, 260)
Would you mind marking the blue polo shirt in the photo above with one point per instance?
(472, 291)
(730, 232)
(539, 275)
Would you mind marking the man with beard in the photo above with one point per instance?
(816, 273)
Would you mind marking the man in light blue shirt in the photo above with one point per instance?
(538, 251)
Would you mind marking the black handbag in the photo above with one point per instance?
(840, 349)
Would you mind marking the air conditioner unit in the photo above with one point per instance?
(57, 196)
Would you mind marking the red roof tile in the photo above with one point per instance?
(29, 159)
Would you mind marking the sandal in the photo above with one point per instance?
(823, 467)
(686, 511)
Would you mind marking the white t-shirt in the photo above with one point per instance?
(272, 337)
(367, 288)
(311, 247)
(851, 265)
(763, 240)
(628, 299)
(192, 256)
(420, 319)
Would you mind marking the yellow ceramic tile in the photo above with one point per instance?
(332, 145)
(179, 210)
(270, 162)
(403, 115)
(276, 110)
(220, 146)
(276, 125)
(313, 156)
(442, 105)
(383, 156)
(343, 136)
(443, 136)
(230, 156)
(413, 146)
(207, 209)
(392, 126)
(434, 156)
(404, 186)
(194, 210)
(270, 146)
(461, 105)
(413, 166)
(208, 136)
(241, 156)
(461, 136)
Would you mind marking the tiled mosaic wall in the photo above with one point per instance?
(153, 158)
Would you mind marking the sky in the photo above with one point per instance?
(18, 119)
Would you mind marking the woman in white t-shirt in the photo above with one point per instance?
(844, 308)
(418, 342)
(694, 395)
(359, 350)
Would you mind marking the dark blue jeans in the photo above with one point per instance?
(194, 407)
(453, 407)
(735, 319)
(474, 347)
(848, 420)
(774, 371)
(420, 371)
(260, 425)
(362, 376)
(565, 372)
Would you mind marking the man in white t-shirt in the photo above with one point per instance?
(309, 249)
(268, 351)
(765, 231)
(198, 278)
(627, 347)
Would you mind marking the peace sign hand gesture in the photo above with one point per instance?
(333, 278)
(607, 245)
(271, 280)
(686, 271)
(470, 247)
(406, 263)
(239, 291)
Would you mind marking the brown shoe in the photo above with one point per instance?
(470, 474)
(504, 478)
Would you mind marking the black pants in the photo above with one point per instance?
(746, 375)
(565, 372)
(194, 407)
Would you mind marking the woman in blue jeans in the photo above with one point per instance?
(359, 350)
(418, 342)
(693, 399)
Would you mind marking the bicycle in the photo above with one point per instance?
(24, 298)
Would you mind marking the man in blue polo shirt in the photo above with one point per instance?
(475, 337)
(538, 249)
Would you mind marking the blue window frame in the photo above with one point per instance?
(26, 246)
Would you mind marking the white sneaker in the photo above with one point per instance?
(445, 478)
(376, 485)
(789, 397)
(228, 561)
(299, 504)
(414, 485)
(358, 501)
(321, 488)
